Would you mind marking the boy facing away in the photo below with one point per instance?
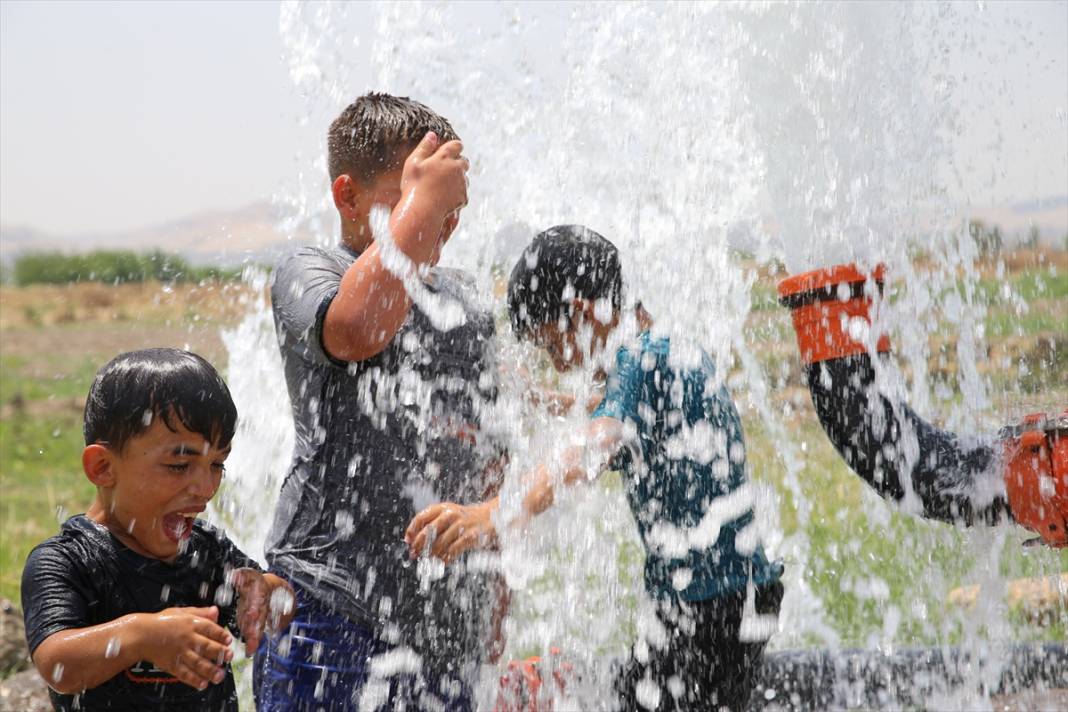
(388, 362)
(677, 439)
(129, 606)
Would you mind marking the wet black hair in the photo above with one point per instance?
(175, 385)
(560, 264)
(376, 132)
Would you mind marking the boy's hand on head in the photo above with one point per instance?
(436, 173)
(447, 530)
(189, 644)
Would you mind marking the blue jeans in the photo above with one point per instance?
(325, 661)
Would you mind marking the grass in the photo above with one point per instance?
(46, 368)
(864, 555)
(46, 378)
(1001, 322)
(1030, 284)
(42, 484)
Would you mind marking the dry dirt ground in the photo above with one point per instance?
(90, 317)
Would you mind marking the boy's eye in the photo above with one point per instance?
(178, 467)
(218, 467)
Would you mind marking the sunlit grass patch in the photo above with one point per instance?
(46, 377)
(880, 572)
(42, 483)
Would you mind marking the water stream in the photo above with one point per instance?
(709, 142)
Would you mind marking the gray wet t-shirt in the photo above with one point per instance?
(376, 441)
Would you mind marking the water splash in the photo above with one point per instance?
(802, 134)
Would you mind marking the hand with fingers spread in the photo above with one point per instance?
(252, 598)
(257, 610)
(447, 530)
(189, 644)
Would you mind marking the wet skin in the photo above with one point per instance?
(151, 490)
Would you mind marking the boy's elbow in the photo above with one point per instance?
(55, 674)
(350, 344)
(349, 351)
(61, 688)
(538, 500)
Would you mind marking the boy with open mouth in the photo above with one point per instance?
(132, 604)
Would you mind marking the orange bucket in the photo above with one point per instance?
(824, 304)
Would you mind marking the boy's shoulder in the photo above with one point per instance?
(454, 276)
(303, 255)
(79, 556)
(460, 285)
(77, 536)
(306, 251)
(215, 551)
(659, 362)
(83, 545)
(682, 357)
(645, 353)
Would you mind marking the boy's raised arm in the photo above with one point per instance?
(450, 529)
(372, 301)
(186, 642)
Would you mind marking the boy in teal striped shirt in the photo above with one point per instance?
(676, 437)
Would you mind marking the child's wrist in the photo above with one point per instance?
(419, 204)
(136, 634)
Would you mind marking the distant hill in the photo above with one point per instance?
(1048, 215)
(226, 237)
(255, 232)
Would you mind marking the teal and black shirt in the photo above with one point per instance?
(684, 469)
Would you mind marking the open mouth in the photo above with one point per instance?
(177, 526)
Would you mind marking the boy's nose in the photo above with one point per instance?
(203, 484)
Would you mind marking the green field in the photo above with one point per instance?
(865, 564)
(52, 341)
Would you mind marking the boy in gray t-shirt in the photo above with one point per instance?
(388, 362)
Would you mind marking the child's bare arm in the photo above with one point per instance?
(372, 301)
(584, 461)
(186, 642)
(451, 529)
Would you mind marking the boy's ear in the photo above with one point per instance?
(586, 309)
(96, 461)
(344, 190)
(582, 311)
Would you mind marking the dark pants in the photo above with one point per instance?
(327, 662)
(703, 666)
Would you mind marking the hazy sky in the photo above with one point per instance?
(122, 114)
(119, 115)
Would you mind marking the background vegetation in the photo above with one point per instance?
(111, 267)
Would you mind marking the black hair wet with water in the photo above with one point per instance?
(562, 257)
(178, 386)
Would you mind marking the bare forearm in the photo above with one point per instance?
(372, 301)
(581, 462)
(83, 658)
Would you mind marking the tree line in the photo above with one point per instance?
(112, 267)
